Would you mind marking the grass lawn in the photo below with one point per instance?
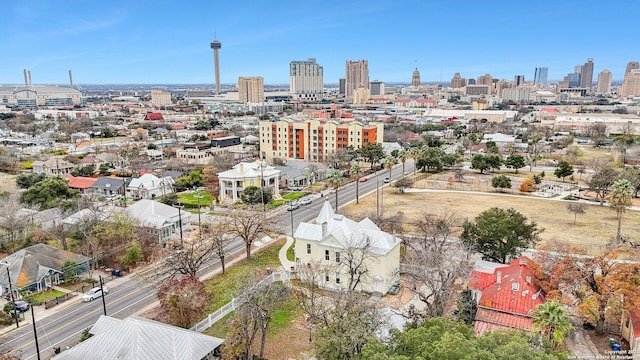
(189, 199)
(285, 198)
(291, 255)
(39, 298)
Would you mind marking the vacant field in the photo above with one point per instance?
(7, 183)
(592, 230)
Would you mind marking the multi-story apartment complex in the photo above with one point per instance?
(356, 74)
(251, 89)
(306, 80)
(477, 90)
(516, 95)
(458, 81)
(540, 76)
(631, 84)
(314, 139)
(160, 98)
(604, 82)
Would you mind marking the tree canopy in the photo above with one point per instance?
(563, 170)
(501, 182)
(253, 195)
(49, 193)
(515, 162)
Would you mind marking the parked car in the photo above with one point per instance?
(386, 180)
(364, 179)
(22, 305)
(94, 293)
(305, 201)
(295, 188)
(293, 206)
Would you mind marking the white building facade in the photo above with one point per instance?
(245, 174)
(306, 80)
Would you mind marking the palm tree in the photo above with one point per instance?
(389, 161)
(620, 198)
(403, 155)
(553, 320)
(414, 153)
(356, 173)
(334, 180)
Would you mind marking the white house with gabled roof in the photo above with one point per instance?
(245, 174)
(332, 239)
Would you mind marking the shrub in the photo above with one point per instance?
(527, 185)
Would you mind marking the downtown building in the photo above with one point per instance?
(314, 139)
(540, 76)
(250, 89)
(306, 80)
(356, 74)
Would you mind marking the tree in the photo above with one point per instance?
(601, 182)
(479, 162)
(597, 132)
(193, 180)
(528, 184)
(356, 173)
(248, 225)
(430, 158)
(576, 209)
(49, 193)
(133, 253)
(181, 300)
(86, 170)
(402, 184)
(500, 234)
(501, 182)
(414, 153)
(403, 155)
(553, 320)
(492, 147)
(494, 161)
(389, 161)
(220, 239)
(372, 152)
(70, 270)
(563, 170)
(620, 198)
(467, 307)
(633, 176)
(255, 195)
(334, 180)
(514, 161)
(12, 224)
(25, 181)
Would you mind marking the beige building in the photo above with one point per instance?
(604, 82)
(39, 95)
(361, 95)
(631, 84)
(333, 244)
(245, 174)
(356, 74)
(251, 89)
(160, 98)
(306, 80)
(206, 156)
(458, 81)
(314, 139)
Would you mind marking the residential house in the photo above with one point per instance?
(506, 294)
(86, 215)
(245, 174)
(333, 241)
(160, 221)
(630, 329)
(149, 186)
(80, 183)
(107, 186)
(139, 338)
(38, 267)
(53, 166)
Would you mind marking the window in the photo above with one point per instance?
(337, 256)
(326, 254)
(326, 276)
(308, 248)
(337, 277)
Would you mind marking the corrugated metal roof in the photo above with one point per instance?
(139, 338)
(155, 214)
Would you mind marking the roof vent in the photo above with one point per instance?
(528, 279)
(515, 286)
(499, 277)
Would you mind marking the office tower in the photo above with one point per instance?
(630, 66)
(586, 74)
(216, 45)
(631, 84)
(160, 98)
(518, 80)
(341, 85)
(251, 89)
(573, 79)
(457, 81)
(415, 78)
(540, 76)
(604, 82)
(471, 82)
(306, 80)
(356, 74)
(484, 80)
(376, 87)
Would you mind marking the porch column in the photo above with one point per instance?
(276, 185)
(223, 189)
(234, 189)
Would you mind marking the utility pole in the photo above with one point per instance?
(13, 301)
(104, 304)
(35, 333)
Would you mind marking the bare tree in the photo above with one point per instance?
(436, 263)
(356, 259)
(12, 223)
(248, 225)
(191, 257)
(390, 223)
(576, 208)
(220, 239)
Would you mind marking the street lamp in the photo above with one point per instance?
(15, 311)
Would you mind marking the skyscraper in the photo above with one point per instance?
(485, 79)
(586, 75)
(415, 78)
(376, 87)
(630, 66)
(356, 74)
(216, 45)
(458, 81)
(518, 80)
(251, 89)
(604, 82)
(341, 85)
(306, 80)
(631, 84)
(540, 76)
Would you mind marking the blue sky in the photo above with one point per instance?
(167, 41)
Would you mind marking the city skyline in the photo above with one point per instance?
(151, 42)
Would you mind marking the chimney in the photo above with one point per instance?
(29, 76)
(499, 278)
(241, 167)
(324, 229)
(528, 279)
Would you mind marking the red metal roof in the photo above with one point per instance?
(153, 116)
(80, 182)
(491, 320)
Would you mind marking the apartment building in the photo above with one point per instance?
(250, 89)
(160, 98)
(306, 80)
(314, 139)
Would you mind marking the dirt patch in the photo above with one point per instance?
(291, 342)
(8, 183)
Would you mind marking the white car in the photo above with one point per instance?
(305, 201)
(94, 293)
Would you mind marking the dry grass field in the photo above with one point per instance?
(592, 231)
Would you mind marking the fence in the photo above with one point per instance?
(215, 316)
(58, 299)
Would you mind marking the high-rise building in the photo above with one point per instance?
(631, 84)
(341, 84)
(251, 89)
(485, 79)
(631, 65)
(356, 74)
(471, 82)
(306, 80)
(376, 87)
(458, 81)
(518, 80)
(160, 98)
(540, 76)
(586, 74)
(604, 82)
(216, 45)
(415, 78)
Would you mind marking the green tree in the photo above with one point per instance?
(188, 182)
(389, 161)
(25, 181)
(49, 193)
(86, 334)
(620, 199)
(253, 195)
(601, 182)
(515, 162)
(403, 155)
(70, 270)
(356, 173)
(104, 169)
(501, 182)
(133, 254)
(85, 171)
(334, 180)
(372, 153)
(402, 183)
(430, 158)
(492, 148)
(414, 153)
(563, 170)
(500, 234)
(553, 320)
(479, 162)
(633, 176)
(494, 161)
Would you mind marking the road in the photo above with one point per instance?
(127, 298)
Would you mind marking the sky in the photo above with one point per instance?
(167, 41)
